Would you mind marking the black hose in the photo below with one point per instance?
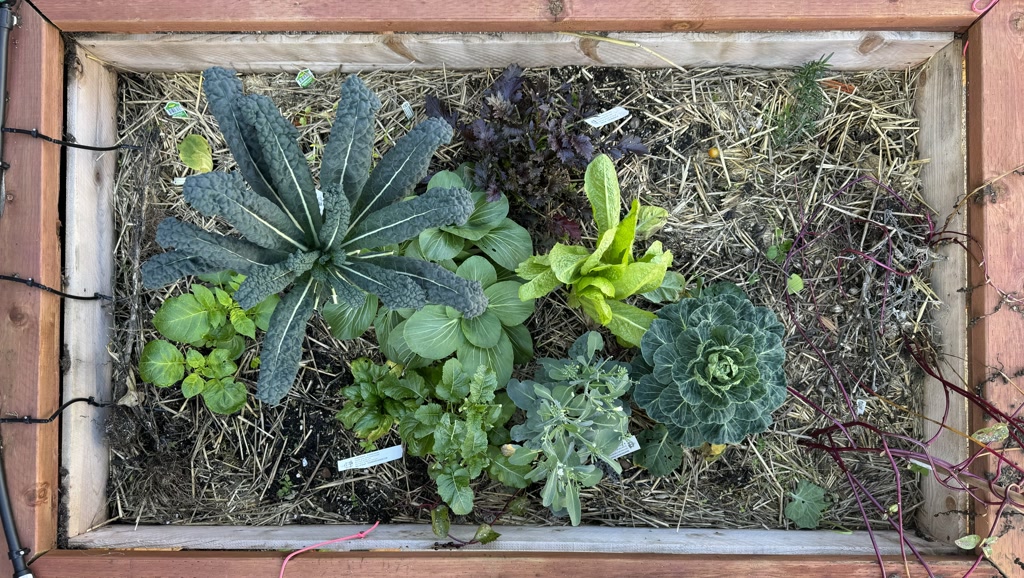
(6, 23)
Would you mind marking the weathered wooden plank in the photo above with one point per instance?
(471, 564)
(504, 15)
(995, 123)
(940, 108)
(355, 52)
(88, 267)
(514, 538)
(30, 247)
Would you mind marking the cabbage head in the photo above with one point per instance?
(710, 367)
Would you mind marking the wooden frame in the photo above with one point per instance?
(993, 59)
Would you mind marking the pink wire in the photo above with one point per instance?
(988, 6)
(322, 544)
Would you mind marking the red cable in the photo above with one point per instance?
(322, 544)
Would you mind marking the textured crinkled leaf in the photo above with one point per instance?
(438, 245)
(337, 288)
(289, 173)
(346, 164)
(522, 343)
(621, 249)
(649, 221)
(595, 259)
(540, 286)
(629, 323)
(404, 220)
(486, 215)
(194, 151)
(401, 168)
(161, 364)
(638, 277)
(223, 89)
(166, 268)
(508, 244)
(432, 334)
(396, 291)
(498, 358)
(606, 287)
(282, 345)
(566, 261)
(440, 286)
(224, 396)
(256, 218)
(602, 187)
(183, 319)
(503, 300)
(595, 305)
(267, 280)
(806, 505)
(348, 322)
(217, 250)
(337, 213)
(658, 453)
(534, 266)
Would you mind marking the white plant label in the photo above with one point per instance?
(407, 109)
(628, 446)
(175, 110)
(610, 115)
(371, 459)
(179, 181)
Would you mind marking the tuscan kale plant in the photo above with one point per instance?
(211, 321)
(342, 255)
(575, 418)
(710, 367)
(601, 278)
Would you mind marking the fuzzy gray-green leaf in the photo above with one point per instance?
(289, 172)
(396, 291)
(166, 268)
(402, 167)
(405, 220)
(282, 345)
(441, 287)
(223, 89)
(346, 165)
(264, 281)
(217, 250)
(256, 218)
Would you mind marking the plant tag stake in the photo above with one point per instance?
(371, 459)
(304, 78)
(407, 109)
(175, 110)
(628, 446)
(610, 115)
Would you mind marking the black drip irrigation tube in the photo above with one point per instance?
(15, 551)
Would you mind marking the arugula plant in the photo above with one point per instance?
(496, 339)
(711, 367)
(601, 279)
(204, 319)
(575, 417)
(340, 255)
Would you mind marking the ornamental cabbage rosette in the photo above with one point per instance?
(710, 367)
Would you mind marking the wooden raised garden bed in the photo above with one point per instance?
(30, 338)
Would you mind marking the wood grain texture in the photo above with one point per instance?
(472, 564)
(30, 247)
(418, 537)
(88, 267)
(356, 52)
(504, 15)
(940, 108)
(995, 125)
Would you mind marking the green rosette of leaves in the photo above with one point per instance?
(711, 368)
(600, 279)
(206, 320)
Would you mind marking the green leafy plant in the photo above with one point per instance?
(658, 453)
(806, 105)
(495, 339)
(710, 367)
(780, 247)
(462, 429)
(379, 397)
(794, 284)
(806, 505)
(205, 319)
(575, 418)
(488, 230)
(602, 278)
(341, 255)
(194, 151)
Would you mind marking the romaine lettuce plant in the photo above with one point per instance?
(204, 319)
(711, 367)
(602, 278)
(336, 256)
(575, 417)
